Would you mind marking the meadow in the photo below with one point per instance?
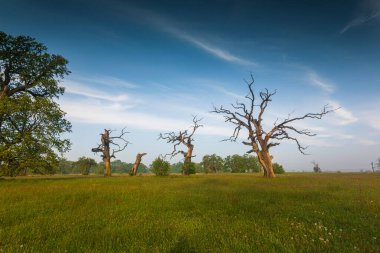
(302, 212)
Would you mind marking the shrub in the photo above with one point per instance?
(316, 167)
(278, 169)
(189, 168)
(160, 167)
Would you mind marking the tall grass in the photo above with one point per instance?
(200, 213)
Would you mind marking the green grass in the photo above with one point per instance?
(202, 213)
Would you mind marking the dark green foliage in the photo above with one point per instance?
(26, 67)
(122, 167)
(241, 164)
(278, 168)
(31, 122)
(30, 133)
(160, 167)
(84, 164)
(65, 166)
(316, 167)
(189, 168)
(212, 163)
(176, 167)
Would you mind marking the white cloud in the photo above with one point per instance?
(213, 50)
(79, 89)
(371, 116)
(370, 11)
(98, 112)
(317, 81)
(343, 115)
(107, 81)
(155, 20)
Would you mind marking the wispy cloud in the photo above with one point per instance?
(107, 81)
(343, 115)
(371, 12)
(220, 87)
(213, 50)
(371, 117)
(317, 81)
(79, 89)
(113, 113)
(162, 24)
(92, 105)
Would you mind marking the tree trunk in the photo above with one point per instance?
(187, 162)
(136, 165)
(265, 159)
(107, 166)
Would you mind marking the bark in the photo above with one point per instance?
(104, 148)
(105, 139)
(107, 166)
(136, 165)
(187, 161)
(265, 160)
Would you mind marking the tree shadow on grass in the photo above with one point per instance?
(183, 245)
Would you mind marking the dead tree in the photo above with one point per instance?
(260, 141)
(107, 142)
(185, 138)
(136, 165)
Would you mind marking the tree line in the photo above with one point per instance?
(209, 164)
(32, 123)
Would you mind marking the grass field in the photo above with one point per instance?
(200, 213)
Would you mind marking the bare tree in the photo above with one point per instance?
(185, 138)
(136, 165)
(107, 142)
(250, 117)
(373, 167)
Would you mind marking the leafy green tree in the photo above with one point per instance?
(212, 163)
(31, 122)
(242, 164)
(316, 167)
(176, 167)
(30, 134)
(160, 167)
(278, 168)
(98, 169)
(84, 164)
(65, 166)
(189, 167)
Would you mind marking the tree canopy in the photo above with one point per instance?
(31, 122)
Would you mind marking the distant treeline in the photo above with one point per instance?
(210, 164)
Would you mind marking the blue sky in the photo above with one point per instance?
(151, 65)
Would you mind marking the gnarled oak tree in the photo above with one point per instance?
(260, 141)
(185, 138)
(107, 142)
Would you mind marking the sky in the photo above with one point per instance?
(150, 66)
